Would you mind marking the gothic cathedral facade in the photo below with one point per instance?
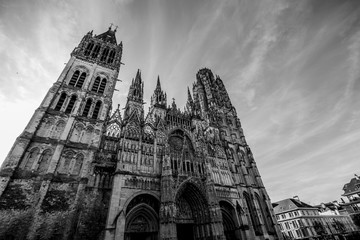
(81, 170)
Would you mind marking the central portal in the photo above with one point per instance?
(185, 231)
(192, 213)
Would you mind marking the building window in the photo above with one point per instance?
(71, 104)
(291, 214)
(77, 80)
(104, 54)
(95, 52)
(287, 225)
(295, 224)
(87, 107)
(283, 216)
(81, 80)
(102, 86)
(89, 48)
(300, 223)
(96, 110)
(111, 56)
(99, 87)
(296, 213)
(60, 102)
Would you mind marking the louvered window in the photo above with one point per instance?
(96, 110)
(102, 86)
(60, 102)
(74, 78)
(81, 80)
(89, 48)
(111, 57)
(71, 104)
(95, 51)
(104, 55)
(96, 85)
(87, 108)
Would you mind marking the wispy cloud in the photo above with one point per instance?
(291, 69)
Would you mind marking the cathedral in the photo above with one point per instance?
(82, 170)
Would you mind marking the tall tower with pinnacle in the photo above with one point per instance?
(81, 170)
(49, 165)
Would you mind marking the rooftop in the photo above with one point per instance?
(290, 204)
(352, 187)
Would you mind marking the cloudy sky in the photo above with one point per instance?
(292, 69)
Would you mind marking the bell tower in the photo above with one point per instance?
(59, 142)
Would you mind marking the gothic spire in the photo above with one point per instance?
(136, 90)
(108, 36)
(158, 99)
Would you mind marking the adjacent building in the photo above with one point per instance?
(352, 199)
(81, 170)
(298, 220)
(352, 194)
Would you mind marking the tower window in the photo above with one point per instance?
(95, 51)
(89, 48)
(96, 85)
(102, 86)
(74, 78)
(99, 87)
(71, 104)
(104, 54)
(77, 80)
(81, 80)
(96, 110)
(111, 56)
(60, 102)
(87, 108)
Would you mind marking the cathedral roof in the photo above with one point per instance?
(108, 36)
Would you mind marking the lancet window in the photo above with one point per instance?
(77, 79)
(60, 101)
(71, 104)
(96, 110)
(99, 85)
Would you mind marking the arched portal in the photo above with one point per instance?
(142, 220)
(192, 215)
(229, 220)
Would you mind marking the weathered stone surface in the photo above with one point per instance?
(81, 172)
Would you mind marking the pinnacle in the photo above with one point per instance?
(158, 86)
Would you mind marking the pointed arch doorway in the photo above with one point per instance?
(229, 221)
(192, 217)
(142, 221)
